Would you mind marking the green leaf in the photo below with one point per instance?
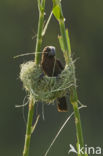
(56, 9)
(57, 12)
(47, 23)
(39, 5)
(68, 41)
(56, 2)
(43, 3)
(61, 43)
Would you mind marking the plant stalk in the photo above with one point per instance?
(73, 92)
(79, 133)
(41, 7)
(64, 38)
(29, 128)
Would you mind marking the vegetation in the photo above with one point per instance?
(66, 48)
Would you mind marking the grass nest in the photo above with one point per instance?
(46, 89)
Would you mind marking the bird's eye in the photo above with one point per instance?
(48, 49)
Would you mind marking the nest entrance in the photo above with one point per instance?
(46, 89)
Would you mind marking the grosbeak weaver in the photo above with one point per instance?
(52, 67)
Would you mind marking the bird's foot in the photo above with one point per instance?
(57, 77)
(41, 76)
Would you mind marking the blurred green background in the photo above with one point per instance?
(18, 24)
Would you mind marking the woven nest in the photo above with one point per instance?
(46, 89)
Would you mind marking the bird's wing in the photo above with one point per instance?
(60, 64)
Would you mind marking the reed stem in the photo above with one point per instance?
(65, 46)
(41, 8)
(29, 129)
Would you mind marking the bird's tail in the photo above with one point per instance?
(62, 104)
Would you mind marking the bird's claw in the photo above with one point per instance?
(57, 77)
(41, 76)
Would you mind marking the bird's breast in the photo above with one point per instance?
(51, 67)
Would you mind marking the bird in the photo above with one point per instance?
(53, 67)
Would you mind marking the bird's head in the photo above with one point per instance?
(49, 51)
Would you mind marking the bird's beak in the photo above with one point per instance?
(52, 51)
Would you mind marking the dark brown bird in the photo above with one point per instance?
(52, 67)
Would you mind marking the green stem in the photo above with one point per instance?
(79, 134)
(64, 38)
(29, 128)
(73, 92)
(41, 6)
